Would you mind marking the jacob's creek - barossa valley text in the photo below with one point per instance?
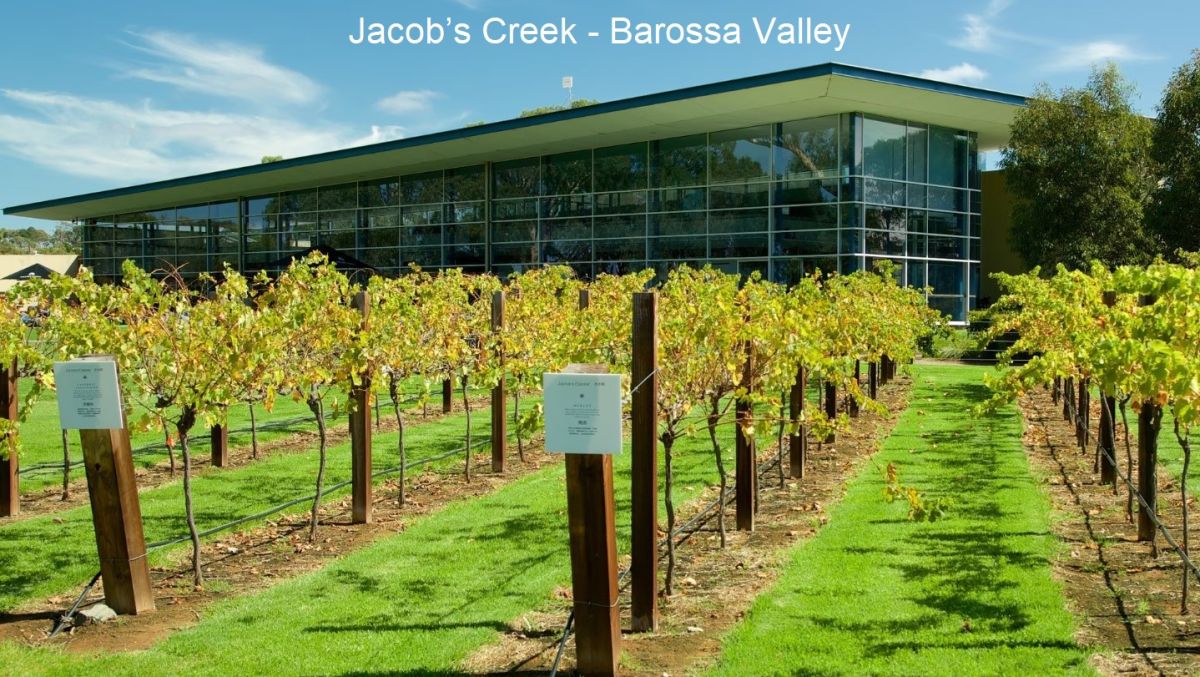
(799, 31)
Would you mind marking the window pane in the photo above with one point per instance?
(946, 278)
(633, 225)
(801, 243)
(621, 167)
(918, 153)
(816, 217)
(807, 148)
(739, 221)
(679, 162)
(738, 245)
(740, 154)
(813, 191)
(515, 178)
(379, 193)
(685, 223)
(344, 196)
(421, 188)
(568, 173)
(884, 149)
(947, 157)
(465, 184)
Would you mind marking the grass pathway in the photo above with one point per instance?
(415, 603)
(49, 554)
(876, 594)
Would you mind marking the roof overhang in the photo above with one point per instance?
(774, 97)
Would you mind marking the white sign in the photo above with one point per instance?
(583, 413)
(568, 82)
(89, 397)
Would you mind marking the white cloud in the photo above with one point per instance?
(963, 74)
(979, 30)
(1087, 54)
(409, 101)
(469, 4)
(120, 142)
(218, 68)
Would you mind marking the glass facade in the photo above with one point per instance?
(832, 193)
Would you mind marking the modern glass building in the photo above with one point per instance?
(829, 168)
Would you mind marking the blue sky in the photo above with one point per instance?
(99, 95)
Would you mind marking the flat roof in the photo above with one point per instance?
(793, 94)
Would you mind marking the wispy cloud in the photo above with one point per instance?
(218, 68)
(1085, 55)
(470, 4)
(111, 140)
(979, 30)
(963, 74)
(408, 101)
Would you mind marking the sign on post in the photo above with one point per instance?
(89, 396)
(583, 420)
(89, 400)
(583, 413)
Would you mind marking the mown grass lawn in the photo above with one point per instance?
(874, 593)
(48, 554)
(415, 603)
(41, 438)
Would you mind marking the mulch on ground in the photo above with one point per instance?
(714, 587)
(1125, 598)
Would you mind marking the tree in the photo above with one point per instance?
(542, 110)
(1175, 150)
(268, 159)
(1079, 168)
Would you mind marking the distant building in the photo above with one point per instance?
(17, 267)
(827, 167)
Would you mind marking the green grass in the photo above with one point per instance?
(41, 438)
(873, 593)
(415, 603)
(49, 554)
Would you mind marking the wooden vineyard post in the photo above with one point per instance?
(1068, 395)
(10, 465)
(745, 465)
(1108, 422)
(830, 408)
(798, 442)
(1081, 414)
(873, 380)
(852, 405)
(361, 499)
(447, 395)
(1149, 423)
(644, 433)
(219, 436)
(499, 403)
(591, 515)
(89, 401)
(593, 542)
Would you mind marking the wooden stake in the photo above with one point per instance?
(745, 467)
(873, 380)
(447, 395)
(361, 491)
(798, 442)
(117, 518)
(830, 408)
(499, 401)
(644, 434)
(590, 514)
(1149, 424)
(219, 436)
(852, 404)
(1108, 423)
(10, 465)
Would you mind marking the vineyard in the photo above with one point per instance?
(336, 467)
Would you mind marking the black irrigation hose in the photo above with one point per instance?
(701, 517)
